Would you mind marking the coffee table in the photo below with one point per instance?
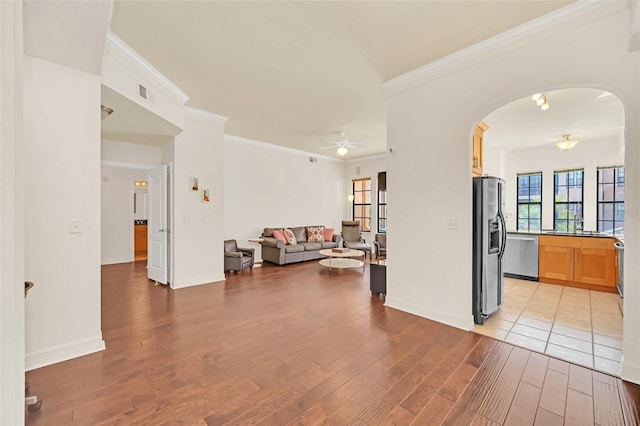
(342, 260)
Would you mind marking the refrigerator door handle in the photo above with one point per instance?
(503, 224)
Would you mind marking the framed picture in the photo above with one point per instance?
(205, 196)
(194, 184)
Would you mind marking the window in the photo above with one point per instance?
(529, 202)
(568, 191)
(362, 202)
(382, 202)
(611, 200)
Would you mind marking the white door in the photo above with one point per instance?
(158, 229)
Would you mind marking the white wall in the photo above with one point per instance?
(362, 168)
(117, 213)
(62, 185)
(271, 186)
(431, 117)
(12, 276)
(587, 156)
(197, 227)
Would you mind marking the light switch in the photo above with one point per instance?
(76, 226)
(186, 219)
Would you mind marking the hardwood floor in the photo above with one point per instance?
(294, 346)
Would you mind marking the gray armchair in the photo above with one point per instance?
(381, 245)
(235, 258)
(352, 237)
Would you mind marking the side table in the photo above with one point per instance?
(257, 241)
(378, 277)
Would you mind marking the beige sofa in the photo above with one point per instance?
(280, 253)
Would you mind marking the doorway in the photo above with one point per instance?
(554, 192)
(140, 218)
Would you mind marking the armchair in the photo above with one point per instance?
(235, 258)
(352, 237)
(381, 245)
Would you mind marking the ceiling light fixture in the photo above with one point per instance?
(566, 144)
(105, 112)
(342, 150)
(541, 100)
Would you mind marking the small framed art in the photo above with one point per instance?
(194, 184)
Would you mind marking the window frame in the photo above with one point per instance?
(528, 203)
(355, 204)
(618, 182)
(382, 203)
(573, 183)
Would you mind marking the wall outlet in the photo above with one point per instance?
(452, 224)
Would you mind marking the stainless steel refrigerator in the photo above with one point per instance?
(489, 241)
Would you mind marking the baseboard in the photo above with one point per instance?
(461, 322)
(630, 371)
(115, 260)
(190, 282)
(61, 353)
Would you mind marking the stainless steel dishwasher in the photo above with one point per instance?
(521, 256)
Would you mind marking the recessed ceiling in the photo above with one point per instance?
(298, 73)
(589, 115)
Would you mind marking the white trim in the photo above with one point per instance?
(205, 117)
(198, 281)
(115, 260)
(127, 165)
(64, 352)
(145, 67)
(463, 323)
(366, 158)
(630, 372)
(274, 147)
(501, 43)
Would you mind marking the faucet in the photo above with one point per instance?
(578, 219)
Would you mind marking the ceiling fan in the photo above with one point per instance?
(343, 144)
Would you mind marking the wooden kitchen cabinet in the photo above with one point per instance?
(140, 238)
(477, 156)
(586, 262)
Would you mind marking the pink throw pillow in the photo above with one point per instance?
(278, 234)
(328, 234)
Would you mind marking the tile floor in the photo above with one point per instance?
(576, 325)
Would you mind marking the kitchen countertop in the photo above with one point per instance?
(593, 234)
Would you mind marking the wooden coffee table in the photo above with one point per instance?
(342, 260)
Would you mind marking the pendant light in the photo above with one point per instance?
(566, 143)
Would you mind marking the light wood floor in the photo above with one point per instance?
(573, 324)
(294, 346)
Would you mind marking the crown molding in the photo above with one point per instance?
(356, 160)
(148, 70)
(274, 147)
(205, 117)
(126, 165)
(504, 42)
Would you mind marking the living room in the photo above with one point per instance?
(421, 143)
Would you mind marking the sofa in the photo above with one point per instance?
(280, 251)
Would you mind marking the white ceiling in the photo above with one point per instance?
(298, 73)
(589, 115)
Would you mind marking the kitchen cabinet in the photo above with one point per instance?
(140, 238)
(586, 262)
(477, 157)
